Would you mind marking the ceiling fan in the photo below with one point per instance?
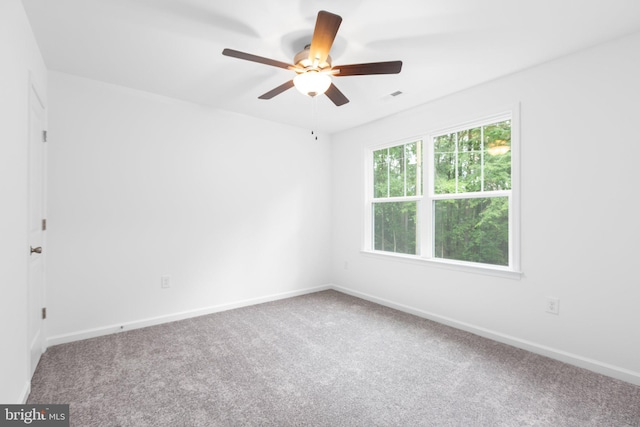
(313, 64)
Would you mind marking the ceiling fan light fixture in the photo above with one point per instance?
(312, 83)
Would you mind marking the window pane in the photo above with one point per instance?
(475, 230)
(380, 173)
(413, 157)
(395, 228)
(497, 173)
(396, 171)
(469, 140)
(469, 172)
(469, 160)
(444, 151)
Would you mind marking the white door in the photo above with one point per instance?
(36, 227)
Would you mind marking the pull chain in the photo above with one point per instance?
(314, 116)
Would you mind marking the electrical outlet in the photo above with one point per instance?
(553, 305)
(165, 282)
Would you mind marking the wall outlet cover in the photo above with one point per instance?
(552, 305)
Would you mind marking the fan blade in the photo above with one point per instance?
(324, 34)
(336, 96)
(389, 67)
(277, 91)
(255, 58)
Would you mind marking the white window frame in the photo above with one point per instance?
(425, 202)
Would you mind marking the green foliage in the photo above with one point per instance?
(497, 160)
(395, 227)
(475, 230)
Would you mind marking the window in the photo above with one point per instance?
(465, 215)
(397, 189)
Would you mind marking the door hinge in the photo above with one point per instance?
(44, 136)
(44, 224)
(44, 313)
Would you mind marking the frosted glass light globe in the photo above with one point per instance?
(312, 83)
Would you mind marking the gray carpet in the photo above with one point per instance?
(324, 359)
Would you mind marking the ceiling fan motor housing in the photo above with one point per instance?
(302, 60)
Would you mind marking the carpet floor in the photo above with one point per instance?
(323, 359)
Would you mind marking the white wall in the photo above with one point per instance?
(234, 209)
(580, 228)
(20, 57)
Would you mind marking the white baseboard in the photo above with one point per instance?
(26, 391)
(563, 356)
(572, 359)
(143, 323)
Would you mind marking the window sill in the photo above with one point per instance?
(485, 269)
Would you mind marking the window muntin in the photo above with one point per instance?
(466, 214)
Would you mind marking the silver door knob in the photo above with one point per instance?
(37, 250)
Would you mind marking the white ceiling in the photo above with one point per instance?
(173, 47)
